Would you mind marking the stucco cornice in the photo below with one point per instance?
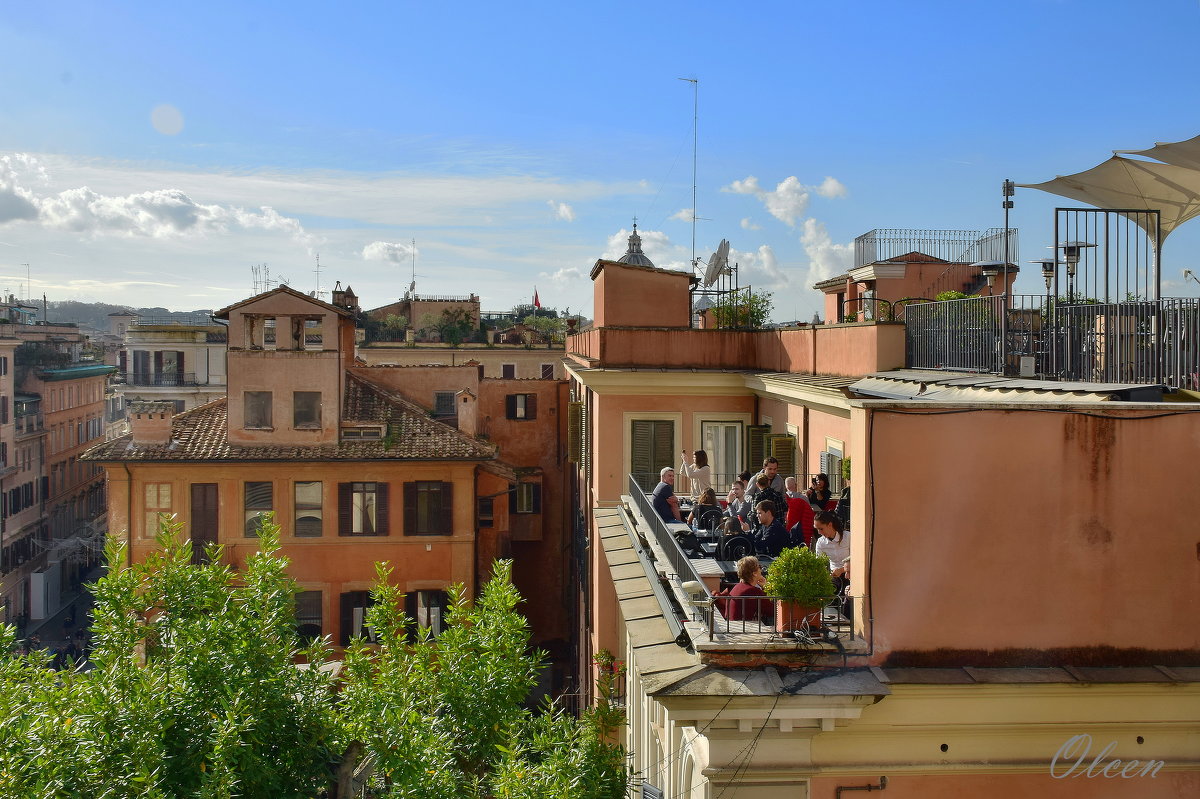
(830, 400)
(654, 381)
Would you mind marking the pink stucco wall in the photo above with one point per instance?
(638, 296)
(1029, 528)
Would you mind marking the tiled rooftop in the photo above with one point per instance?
(200, 435)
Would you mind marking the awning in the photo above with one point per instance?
(1180, 153)
(1126, 183)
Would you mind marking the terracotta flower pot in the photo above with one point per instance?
(791, 615)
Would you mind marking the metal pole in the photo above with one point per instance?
(1008, 191)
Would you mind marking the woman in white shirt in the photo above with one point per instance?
(833, 541)
(699, 474)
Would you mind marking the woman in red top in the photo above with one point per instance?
(741, 606)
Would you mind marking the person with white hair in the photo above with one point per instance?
(664, 500)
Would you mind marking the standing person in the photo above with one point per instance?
(834, 543)
(818, 493)
(770, 470)
(664, 499)
(698, 473)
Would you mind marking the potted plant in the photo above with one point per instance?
(799, 579)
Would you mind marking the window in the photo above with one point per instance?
(723, 443)
(521, 406)
(508, 371)
(362, 509)
(486, 513)
(547, 371)
(354, 616)
(308, 614)
(428, 508)
(205, 519)
(258, 410)
(525, 498)
(158, 504)
(257, 505)
(428, 610)
(652, 446)
(362, 432)
(309, 517)
(443, 403)
(306, 409)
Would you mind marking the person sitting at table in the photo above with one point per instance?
(799, 521)
(818, 493)
(699, 473)
(770, 536)
(738, 604)
(664, 499)
(833, 542)
(738, 506)
(790, 487)
(705, 505)
(764, 491)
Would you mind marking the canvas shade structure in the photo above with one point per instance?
(1181, 153)
(1129, 184)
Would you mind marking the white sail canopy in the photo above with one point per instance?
(1130, 184)
(1181, 153)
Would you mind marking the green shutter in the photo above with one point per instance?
(756, 446)
(783, 449)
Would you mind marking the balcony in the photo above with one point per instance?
(687, 582)
(170, 379)
(29, 424)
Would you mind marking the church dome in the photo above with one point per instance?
(634, 254)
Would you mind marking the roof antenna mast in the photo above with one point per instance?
(695, 141)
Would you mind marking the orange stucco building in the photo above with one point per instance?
(358, 464)
(1006, 539)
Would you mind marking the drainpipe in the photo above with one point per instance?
(883, 781)
(128, 515)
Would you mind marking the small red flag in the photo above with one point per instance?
(536, 303)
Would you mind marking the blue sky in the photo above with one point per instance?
(516, 142)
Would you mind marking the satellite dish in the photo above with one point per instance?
(718, 263)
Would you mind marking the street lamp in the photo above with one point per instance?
(1048, 266)
(1071, 252)
(990, 270)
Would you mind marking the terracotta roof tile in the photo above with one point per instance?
(200, 435)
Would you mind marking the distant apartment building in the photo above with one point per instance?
(431, 469)
(419, 309)
(1022, 557)
(52, 503)
(502, 361)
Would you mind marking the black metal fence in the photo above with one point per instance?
(679, 562)
(158, 378)
(1140, 341)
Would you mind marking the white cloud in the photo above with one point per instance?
(562, 211)
(158, 213)
(682, 215)
(748, 224)
(396, 252)
(826, 259)
(565, 275)
(831, 187)
(788, 202)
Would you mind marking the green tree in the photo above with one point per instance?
(549, 328)
(395, 325)
(744, 308)
(193, 690)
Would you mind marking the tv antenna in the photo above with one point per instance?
(695, 141)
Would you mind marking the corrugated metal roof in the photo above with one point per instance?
(936, 386)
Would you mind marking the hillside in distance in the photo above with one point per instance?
(94, 315)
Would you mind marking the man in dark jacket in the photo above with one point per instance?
(770, 536)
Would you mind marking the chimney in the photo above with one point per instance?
(151, 422)
(468, 412)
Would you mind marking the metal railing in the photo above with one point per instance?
(953, 246)
(1138, 342)
(158, 378)
(182, 320)
(679, 562)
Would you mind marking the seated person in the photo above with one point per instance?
(770, 536)
(764, 491)
(664, 500)
(818, 493)
(704, 506)
(834, 543)
(739, 506)
(750, 581)
(800, 521)
(790, 489)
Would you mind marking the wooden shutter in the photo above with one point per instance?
(158, 362)
(641, 450)
(537, 498)
(512, 501)
(410, 610)
(756, 446)
(510, 406)
(531, 406)
(782, 448)
(204, 519)
(410, 509)
(350, 601)
(575, 432)
(381, 509)
(344, 509)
